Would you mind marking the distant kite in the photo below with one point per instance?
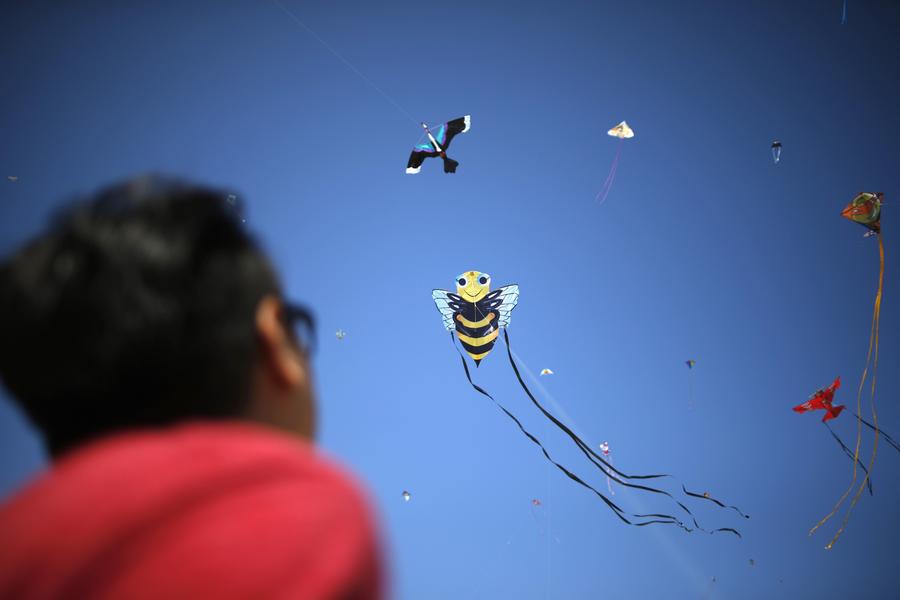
(546, 372)
(776, 151)
(604, 448)
(690, 365)
(539, 514)
(406, 496)
(340, 334)
(623, 132)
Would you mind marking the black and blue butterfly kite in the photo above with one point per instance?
(437, 145)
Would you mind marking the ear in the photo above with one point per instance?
(280, 357)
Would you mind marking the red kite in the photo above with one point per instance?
(821, 400)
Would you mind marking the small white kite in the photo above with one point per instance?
(604, 448)
(623, 132)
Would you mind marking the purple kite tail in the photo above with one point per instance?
(607, 185)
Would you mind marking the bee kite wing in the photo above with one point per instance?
(442, 300)
(509, 296)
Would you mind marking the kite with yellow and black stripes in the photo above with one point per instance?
(475, 315)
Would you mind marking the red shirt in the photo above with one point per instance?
(204, 510)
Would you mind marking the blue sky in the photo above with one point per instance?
(704, 249)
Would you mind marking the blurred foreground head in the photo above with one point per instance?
(147, 305)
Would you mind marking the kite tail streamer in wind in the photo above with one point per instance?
(621, 514)
(711, 499)
(607, 185)
(881, 432)
(876, 321)
(595, 458)
(848, 452)
(873, 343)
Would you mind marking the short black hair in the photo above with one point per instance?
(136, 308)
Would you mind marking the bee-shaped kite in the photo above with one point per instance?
(437, 145)
(476, 313)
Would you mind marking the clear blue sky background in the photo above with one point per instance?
(704, 249)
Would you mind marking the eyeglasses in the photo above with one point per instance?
(301, 322)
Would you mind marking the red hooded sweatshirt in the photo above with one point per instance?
(206, 510)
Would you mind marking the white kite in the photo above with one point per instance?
(623, 132)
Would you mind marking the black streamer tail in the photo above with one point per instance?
(598, 461)
(849, 454)
(595, 458)
(727, 530)
(707, 497)
(881, 432)
(666, 519)
(724, 529)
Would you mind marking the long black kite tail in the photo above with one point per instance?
(585, 448)
(665, 519)
(595, 458)
(707, 497)
(598, 461)
(849, 454)
(881, 432)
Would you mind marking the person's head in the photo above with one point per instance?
(147, 305)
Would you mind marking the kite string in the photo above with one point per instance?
(346, 62)
(547, 541)
(691, 389)
(877, 317)
(608, 482)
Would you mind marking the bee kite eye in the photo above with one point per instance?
(483, 279)
(461, 281)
